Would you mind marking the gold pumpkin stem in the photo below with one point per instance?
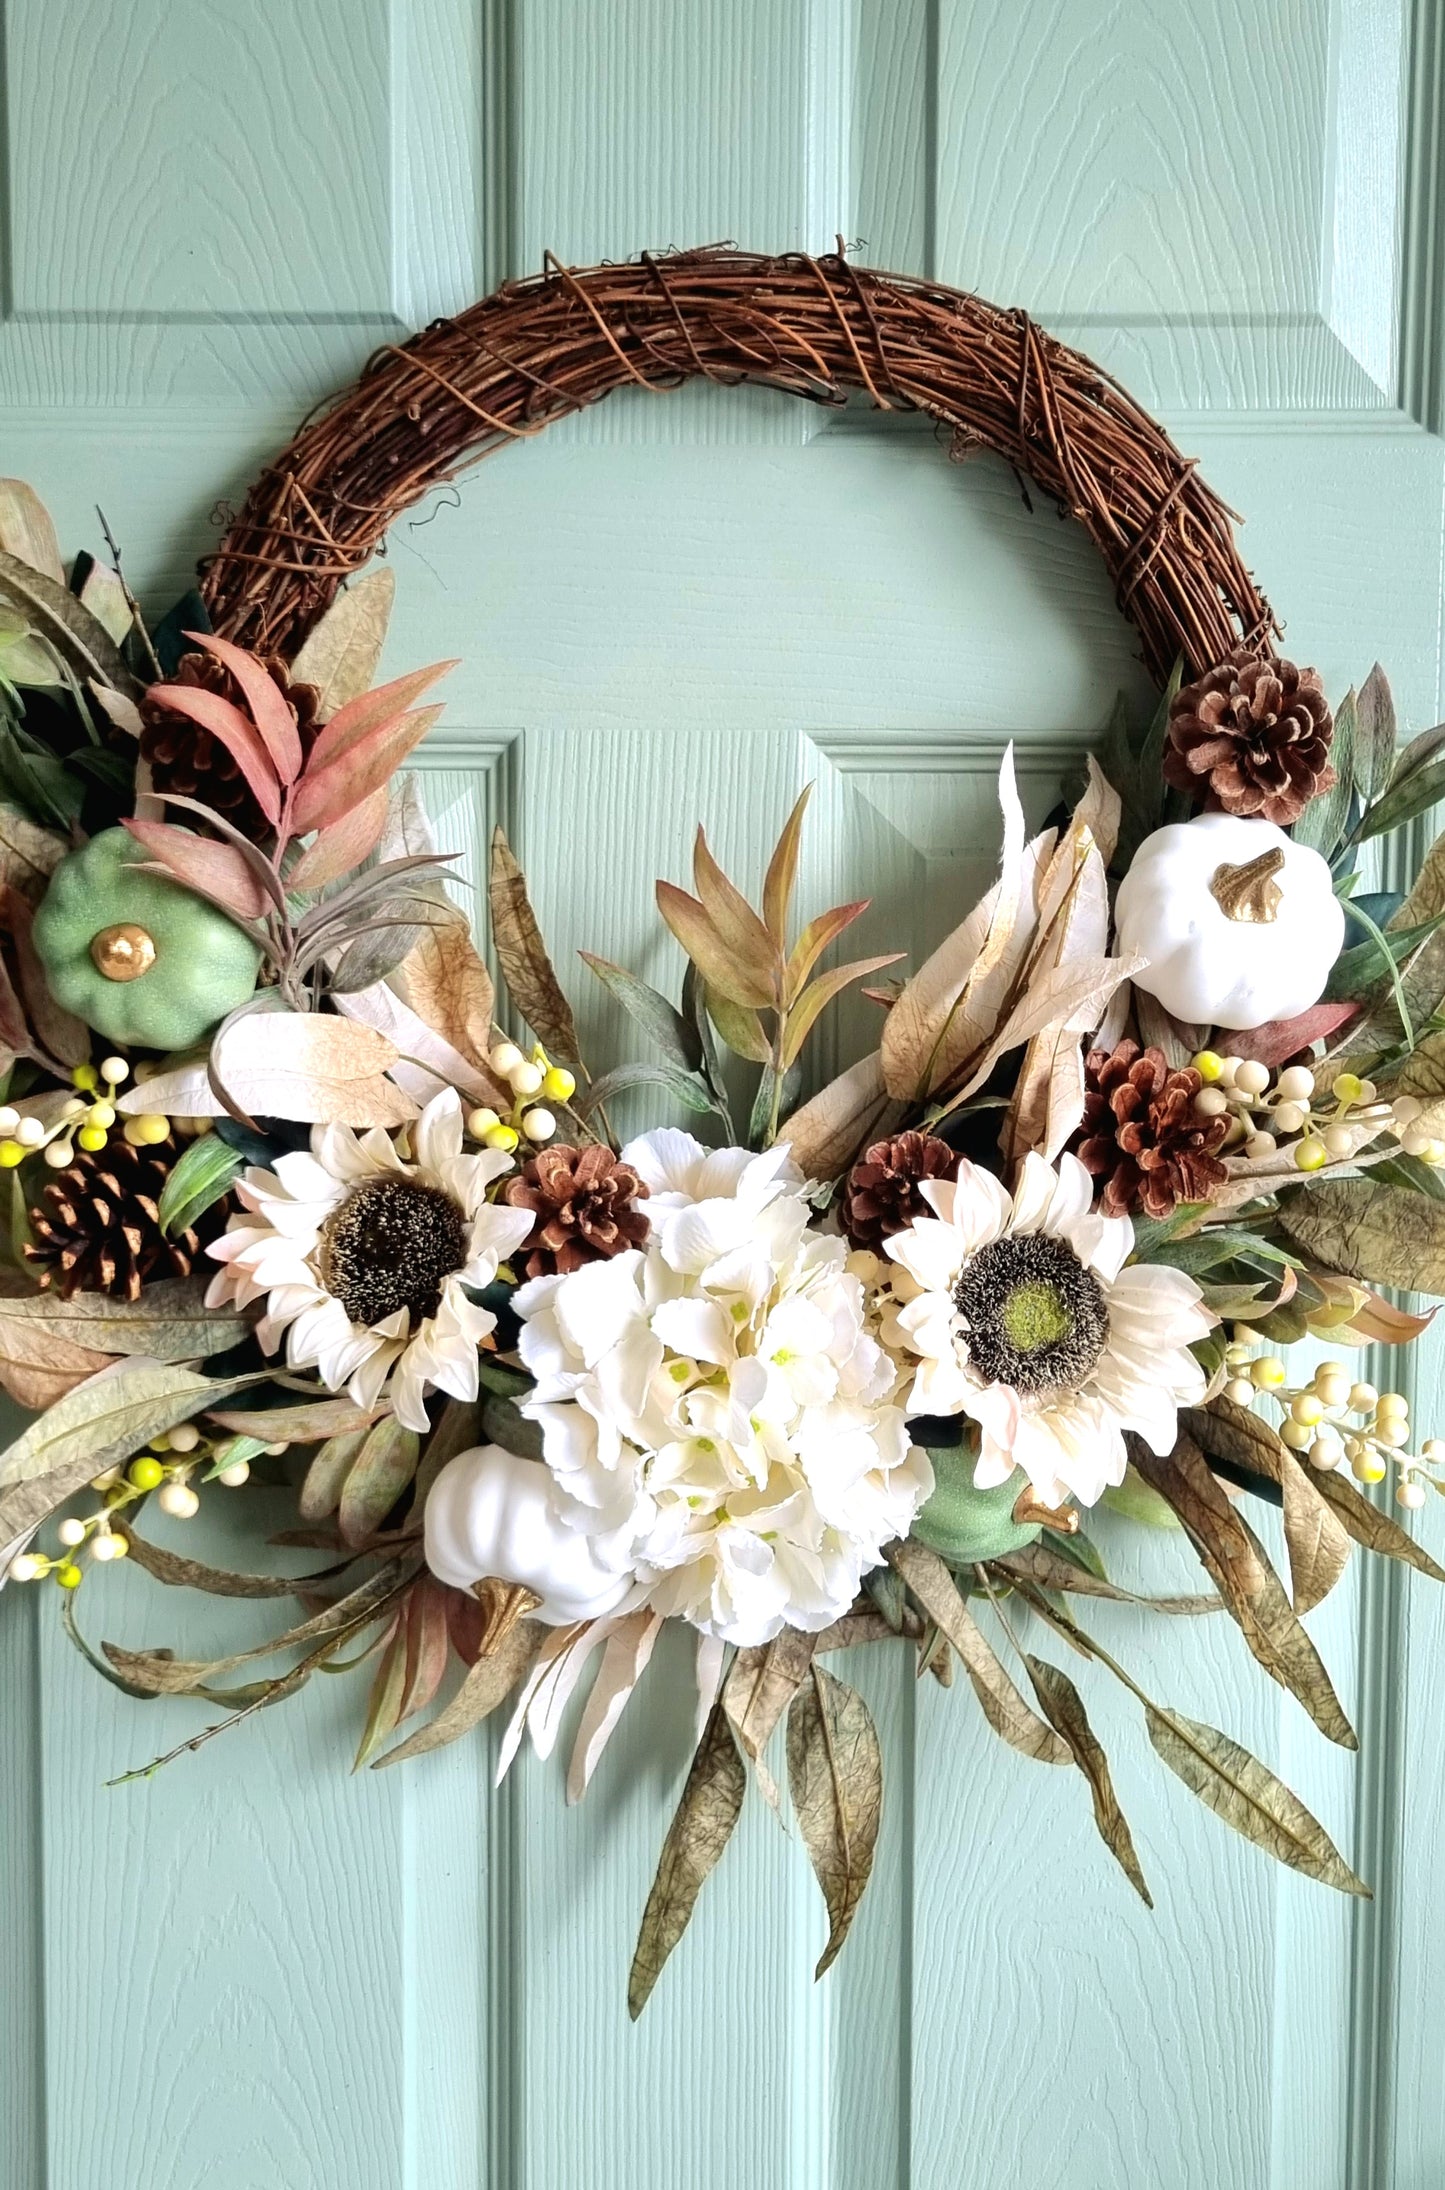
(503, 1604)
(1064, 1520)
(124, 952)
(1249, 892)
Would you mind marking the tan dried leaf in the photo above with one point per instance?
(314, 1067)
(1317, 1541)
(1246, 1794)
(711, 1801)
(835, 1777)
(445, 981)
(1063, 1707)
(307, 1423)
(487, 1685)
(29, 855)
(1003, 1706)
(624, 1661)
(1374, 1529)
(426, 1061)
(27, 529)
(827, 1132)
(341, 653)
(758, 1690)
(1050, 1570)
(526, 967)
(1073, 921)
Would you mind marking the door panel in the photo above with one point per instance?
(253, 1970)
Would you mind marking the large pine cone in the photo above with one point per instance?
(584, 1204)
(189, 761)
(1142, 1135)
(96, 1227)
(1251, 737)
(882, 1194)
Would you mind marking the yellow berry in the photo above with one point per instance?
(11, 1153)
(146, 1472)
(86, 1077)
(92, 1138)
(480, 1122)
(561, 1086)
(100, 1114)
(1306, 1409)
(1310, 1155)
(1392, 1403)
(1207, 1063)
(69, 1575)
(1299, 1436)
(1268, 1373)
(1367, 1469)
(501, 1136)
(152, 1128)
(1347, 1089)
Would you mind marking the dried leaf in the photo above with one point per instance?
(782, 872)
(1373, 1528)
(1048, 1569)
(217, 871)
(341, 652)
(426, 1061)
(304, 1424)
(80, 639)
(827, 1132)
(37, 1366)
(427, 1645)
(176, 1572)
(325, 1478)
(835, 1776)
(711, 1801)
(1077, 990)
(162, 1675)
(169, 1322)
(309, 1066)
(102, 590)
(1100, 811)
(25, 1505)
(1383, 1234)
(1063, 1707)
(1073, 922)
(107, 1419)
(29, 855)
(815, 999)
(488, 1683)
(694, 930)
(624, 1661)
(760, 1686)
(384, 1705)
(522, 955)
(27, 530)
(445, 981)
(744, 937)
(1246, 1794)
(1003, 1706)
(383, 1468)
(1318, 1544)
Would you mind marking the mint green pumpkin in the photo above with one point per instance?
(963, 1524)
(202, 964)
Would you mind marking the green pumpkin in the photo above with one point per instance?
(963, 1524)
(196, 964)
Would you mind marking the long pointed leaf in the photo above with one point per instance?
(269, 711)
(702, 1827)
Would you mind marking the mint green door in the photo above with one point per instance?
(254, 1973)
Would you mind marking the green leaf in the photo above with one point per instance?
(204, 1172)
(1383, 1234)
(382, 1469)
(1411, 794)
(1374, 734)
(1063, 1707)
(688, 1088)
(79, 638)
(325, 1478)
(702, 1827)
(106, 1419)
(739, 1026)
(674, 1035)
(1322, 823)
(1246, 1794)
(835, 1776)
(1363, 966)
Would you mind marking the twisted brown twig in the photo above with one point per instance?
(820, 328)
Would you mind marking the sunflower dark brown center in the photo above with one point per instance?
(1036, 1318)
(389, 1246)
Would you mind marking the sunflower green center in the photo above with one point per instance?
(390, 1245)
(1035, 1317)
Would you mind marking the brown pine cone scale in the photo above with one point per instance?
(1251, 737)
(96, 1227)
(1142, 1135)
(584, 1203)
(883, 1194)
(189, 761)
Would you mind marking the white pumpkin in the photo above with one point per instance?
(1238, 922)
(491, 1513)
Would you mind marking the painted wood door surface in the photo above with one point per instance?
(257, 1973)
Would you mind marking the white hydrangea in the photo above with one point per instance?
(716, 1403)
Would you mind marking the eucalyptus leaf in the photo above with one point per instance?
(688, 1088)
(1411, 794)
(1001, 1703)
(1322, 824)
(382, 1470)
(1246, 1794)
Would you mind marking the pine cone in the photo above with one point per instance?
(882, 1194)
(1142, 1135)
(1251, 737)
(189, 761)
(97, 1229)
(583, 1200)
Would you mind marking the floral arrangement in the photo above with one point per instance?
(292, 1197)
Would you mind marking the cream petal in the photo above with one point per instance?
(933, 1253)
(666, 1160)
(437, 1134)
(698, 1329)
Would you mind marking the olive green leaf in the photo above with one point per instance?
(106, 1419)
(526, 967)
(1382, 1234)
(1246, 1794)
(1374, 734)
(78, 637)
(206, 1171)
(488, 1683)
(1002, 1705)
(325, 1478)
(181, 1573)
(388, 1693)
(1368, 1525)
(662, 1022)
(1063, 1707)
(304, 1424)
(700, 1830)
(377, 1477)
(1317, 1542)
(835, 1777)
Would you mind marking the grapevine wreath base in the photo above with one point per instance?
(288, 1201)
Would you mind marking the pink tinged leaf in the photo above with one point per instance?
(234, 731)
(814, 1000)
(815, 939)
(624, 1662)
(269, 711)
(324, 795)
(343, 846)
(359, 717)
(217, 871)
(1279, 1039)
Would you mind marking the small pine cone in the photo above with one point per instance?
(882, 1194)
(189, 761)
(1251, 737)
(583, 1201)
(96, 1227)
(1142, 1136)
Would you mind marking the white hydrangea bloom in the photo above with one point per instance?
(717, 1400)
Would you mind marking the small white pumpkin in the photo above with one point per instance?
(491, 1513)
(1239, 923)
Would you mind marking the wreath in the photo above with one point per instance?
(289, 1202)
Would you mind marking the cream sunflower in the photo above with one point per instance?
(1019, 1311)
(364, 1260)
